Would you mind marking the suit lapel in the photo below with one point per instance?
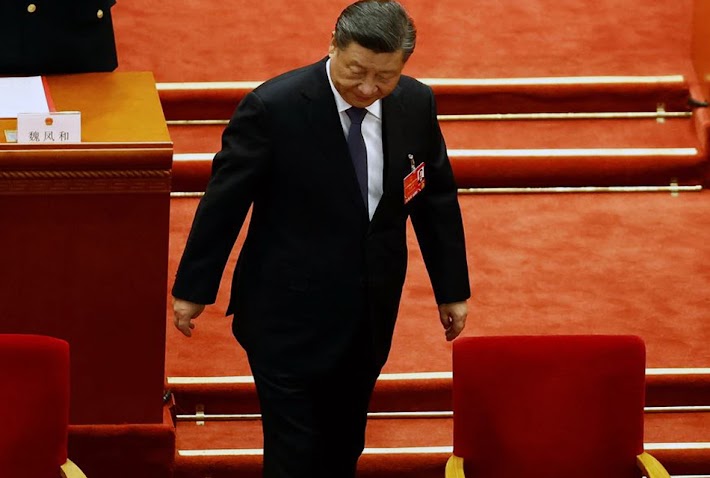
(328, 134)
(393, 144)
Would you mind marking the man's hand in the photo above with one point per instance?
(185, 311)
(453, 318)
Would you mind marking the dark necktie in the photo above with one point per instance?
(358, 151)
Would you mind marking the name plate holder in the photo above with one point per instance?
(49, 128)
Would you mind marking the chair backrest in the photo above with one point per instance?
(549, 406)
(34, 405)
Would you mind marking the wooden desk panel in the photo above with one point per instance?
(84, 244)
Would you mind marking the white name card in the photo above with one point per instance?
(44, 128)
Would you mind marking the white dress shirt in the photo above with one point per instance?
(372, 133)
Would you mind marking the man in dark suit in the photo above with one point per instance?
(41, 37)
(334, 157)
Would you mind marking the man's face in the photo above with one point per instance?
(362, 76)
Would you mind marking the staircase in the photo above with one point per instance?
(527, 135)
(510, 133)
(410, 426)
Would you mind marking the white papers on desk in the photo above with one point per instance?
(22, 95)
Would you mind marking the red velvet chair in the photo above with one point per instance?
(34, 407)
(549, 407)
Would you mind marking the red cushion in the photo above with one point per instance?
(549, 406)
(34, 405)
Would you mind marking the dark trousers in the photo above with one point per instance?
(314, 427)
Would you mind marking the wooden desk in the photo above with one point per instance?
(84, 244)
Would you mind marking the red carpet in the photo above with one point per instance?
(216, 41)
(616, 263)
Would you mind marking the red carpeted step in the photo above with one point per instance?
(570, 134)
(681, 441)
(415, 447)
(585, 152)
(416, 392)
(521, 134)
(196, 138)
(528, 168)
(217, 100)
(392, 394)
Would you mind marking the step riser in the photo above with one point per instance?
(422, 395)
(204, 101)
(495, 170)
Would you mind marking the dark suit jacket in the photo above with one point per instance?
(57, 36)
(313, 267)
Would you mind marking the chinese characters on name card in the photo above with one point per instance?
(60, 127)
